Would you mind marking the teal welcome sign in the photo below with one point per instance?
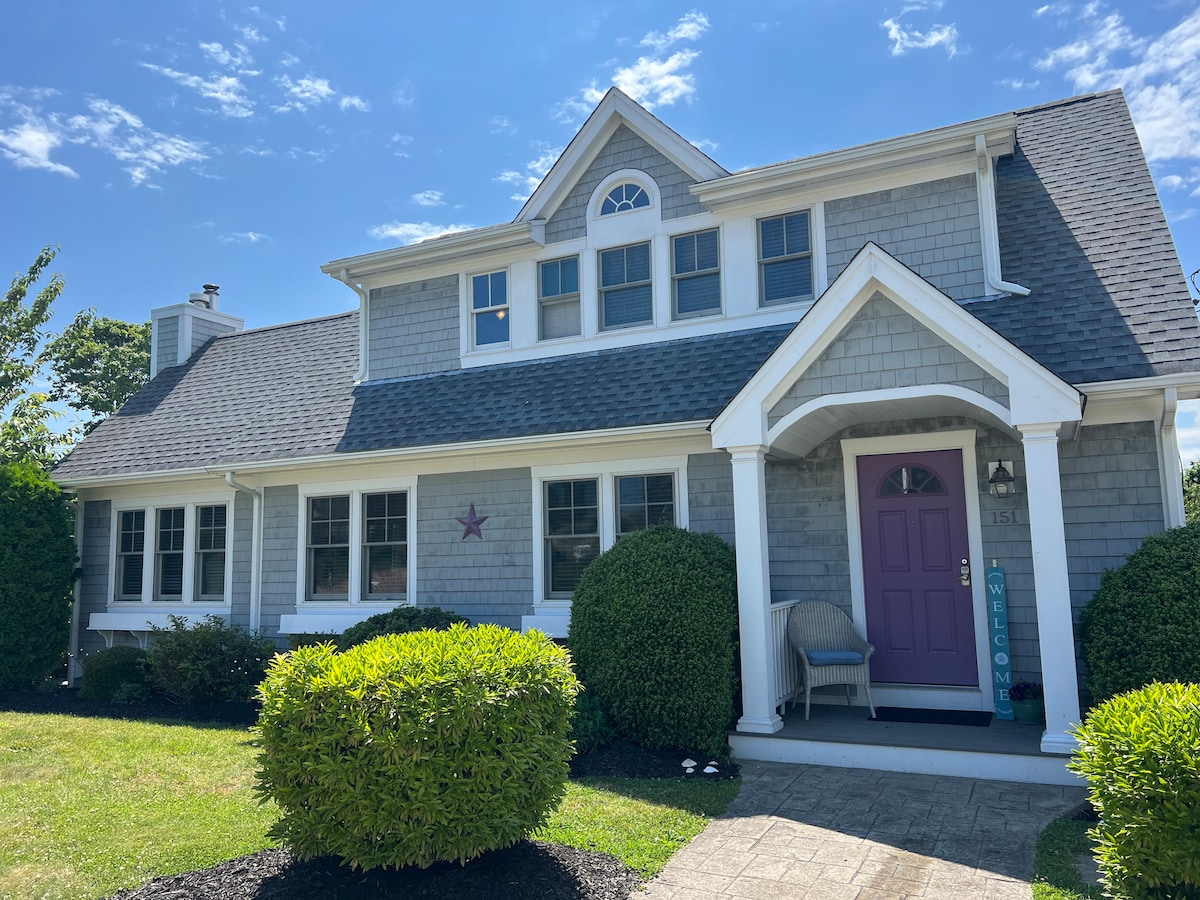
(997, 604)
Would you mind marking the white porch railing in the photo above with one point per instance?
(785, 660)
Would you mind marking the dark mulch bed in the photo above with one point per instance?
(530, 869)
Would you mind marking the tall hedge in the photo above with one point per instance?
(37, 571)
(653, 624)
(416, 748)
(1143, 624)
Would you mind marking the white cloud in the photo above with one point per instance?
(250, 34)
(905, 39)
(227, 90)
(315, 155)
(242, 237)
(651, 80)
(308, 91)
(1172, 182)
(428, 198)
(258, 151)
(688, 28)
(121, 134)
(502, 125)
(1160, 77)
(920, 6)
(704, 145)
(1018, 84)
(352, 102)
(527, 180)
(288, 60)
(413, 232)
(218, 54)
(28, 143)
(403, 95)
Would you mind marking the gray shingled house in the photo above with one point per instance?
(833, 362)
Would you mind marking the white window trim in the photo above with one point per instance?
(355, 490)
(621, 176)
(150, 506)
(607, 473)
(473, 313)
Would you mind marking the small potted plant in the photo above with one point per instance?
(1028, 703)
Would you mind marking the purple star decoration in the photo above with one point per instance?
(471, 523)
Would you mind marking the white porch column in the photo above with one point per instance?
(1051, 584)
(754, 591)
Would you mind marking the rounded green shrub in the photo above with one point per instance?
(37, 574)
(1139, 753)
(1143, 624)
(208, 662)
(105, 672)
(591, 725)
(400, 620)
(653, 625)
(416, 748)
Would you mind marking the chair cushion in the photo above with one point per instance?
(834, 657)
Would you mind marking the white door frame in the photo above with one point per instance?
(923, 696)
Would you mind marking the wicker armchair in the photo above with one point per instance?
(831, 651)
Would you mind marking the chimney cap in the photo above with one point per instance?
(211, 288)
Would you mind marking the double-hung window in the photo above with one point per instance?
(357, 547)
(489, 308)
(168, 555)
(210, 552)
(328, 548)
(131, 548)
(558, 298)
(785, 259)
(695, 274)
(583, 516)
(385, 546)
(626, 297)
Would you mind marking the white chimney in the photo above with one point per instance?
(178, 331)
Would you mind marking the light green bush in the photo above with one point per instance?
(1140, 753)
(107, 671)
(653, 621)
(416, 748)
(208, 662)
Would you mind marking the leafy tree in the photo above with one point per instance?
(1191, 492)
(98, 363)
(37, 566)
(24, 433)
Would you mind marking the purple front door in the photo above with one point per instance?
(914, 532)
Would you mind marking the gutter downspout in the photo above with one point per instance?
(343, 276)
(989, 230)
(1169, 466)
(255, 549)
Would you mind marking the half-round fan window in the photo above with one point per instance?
(624, 197)
(911, 480)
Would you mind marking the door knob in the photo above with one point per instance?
(965, 573)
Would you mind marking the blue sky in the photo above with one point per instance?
(164, 145)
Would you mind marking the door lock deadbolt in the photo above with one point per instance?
(965, 573)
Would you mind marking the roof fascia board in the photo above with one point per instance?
(614, 110)
(464, 448)
(1187, 384)
(451, 246)
(1035, 392)
(895, 152)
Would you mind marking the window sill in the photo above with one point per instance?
(144, 621)
(549, 621)
(333, 620)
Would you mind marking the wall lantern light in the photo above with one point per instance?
(1001, 483)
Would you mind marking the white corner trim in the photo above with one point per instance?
(989, 228)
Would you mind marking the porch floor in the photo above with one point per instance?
(851, 725)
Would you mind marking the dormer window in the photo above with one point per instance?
(624, 197)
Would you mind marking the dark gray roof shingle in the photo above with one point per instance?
(1080, 224)
(1082, 227)
(287, 392)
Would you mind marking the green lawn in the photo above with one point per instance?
(1054, 874)
(90, 806)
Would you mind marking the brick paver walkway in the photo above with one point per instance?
(820, 833)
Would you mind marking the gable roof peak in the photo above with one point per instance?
(615, 108)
